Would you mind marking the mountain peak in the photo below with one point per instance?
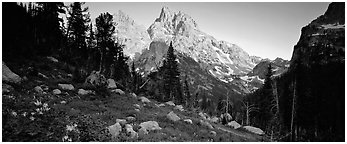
(120, 16)
(165, 15)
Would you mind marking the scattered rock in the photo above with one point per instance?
(170, 103)
(115, 130)
(254, 130)
(202, 115)
(137, 106)
(38, 89)
(161, 105)
(213, 133)
(25, 78)
(119, 91)
(121, 121)
(9, 76)
(226, 117)
(214, 119)
(130, 119)
(111, 84)
(66, 86)
(144, 99)
(84, 92)
(188, 121)
(207, 124)
(56, 91)
(52, 59)
(179, 107)
(234, 124)
(149, 126)
(130, 131)
(6, 88)
(172, 116)
(133, 95)
(96, 79)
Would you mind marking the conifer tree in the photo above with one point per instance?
(49, 32)
(186, 92)
(104, 31)
(78, 27)
(172, 85)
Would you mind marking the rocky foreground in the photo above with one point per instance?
(41, 102)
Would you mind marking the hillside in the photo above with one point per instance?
(34, 110)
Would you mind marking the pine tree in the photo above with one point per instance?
(49, 30)
(104, 31)
(78, 27)
(172, 85)
(186, 92)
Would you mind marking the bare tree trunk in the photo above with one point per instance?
(293, 111)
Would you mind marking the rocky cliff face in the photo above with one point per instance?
(132, 35)
(221, 58)
(323, 40)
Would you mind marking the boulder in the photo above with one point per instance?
(188, 121)
(121, 121)
(56, 91)
(214, 120)
(133, 95)
(173, 117)
(38, 89)
(179, 107)
(137, 106)
(206, 124)
(144, 99)
(138, 110)
(96, 79)
(130, 119)
(226, 117)
(254, 130)
(202, 115)
(213, 133)
(119, 91)
(170, 103)
(115, 130)
(84, 92)
(130, 131)
(52, 59)
(6, 88)
(161, 105)
(66, 86)
(149, 126)
(234, 125)
(111, 84)
(9, 76)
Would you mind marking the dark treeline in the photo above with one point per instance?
(304, 104)
(38, 29)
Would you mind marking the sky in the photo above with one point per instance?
(265, 29)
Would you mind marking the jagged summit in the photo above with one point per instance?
(132, 35)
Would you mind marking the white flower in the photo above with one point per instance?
(45, 105)
(32, 118)
(24, 113)
(37, 103)
(65, 138)
(14, 113)
(70, 127)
